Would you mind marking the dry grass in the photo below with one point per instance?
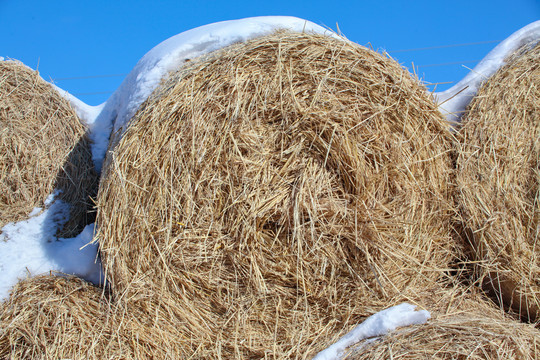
(269, 196)
(59, 317)
(463, 326)
(53, 317)
(498, 177)
(42, 147)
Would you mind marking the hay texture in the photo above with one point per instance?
(42, 147)
(53, 317)
(463, 326)
(64, 317)
(498, 176)
(269, 194)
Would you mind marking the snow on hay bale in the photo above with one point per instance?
(53, 317)
(498, 176)
(270, 193)
(463, 326)
(42, 147)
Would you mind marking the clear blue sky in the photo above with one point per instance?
(73, 39)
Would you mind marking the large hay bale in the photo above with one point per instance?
(498, 176)
(272, 194)
(463, 326)
(53, 317)
(42, 147)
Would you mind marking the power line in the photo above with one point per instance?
(88, 77)
(393, 52)
(117, 75)
(438, 83)
(448, 63)
(93, 93)
(445, 46)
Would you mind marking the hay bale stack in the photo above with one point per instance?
(498, 176)
(52, 317)
(272, 194)
(42, 147)
(463, 326)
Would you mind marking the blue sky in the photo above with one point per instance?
(87, 47)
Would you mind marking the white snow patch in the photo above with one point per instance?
(170, 55)
(87, 113)
(452, 102)
(30, 247)
(375, 325)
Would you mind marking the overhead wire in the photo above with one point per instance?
(88, 77)
(445, 46)
(389, 52)
(94, 93)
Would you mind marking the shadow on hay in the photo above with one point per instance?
(66, 236)
(497, 287)
(498, 180)
(77, 183)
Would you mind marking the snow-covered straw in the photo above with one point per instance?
(376, 325)
(170, 55)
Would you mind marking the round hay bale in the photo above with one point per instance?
(498, 178)
(42, 148)
(53, 317)
(265, 196)
(466, 327)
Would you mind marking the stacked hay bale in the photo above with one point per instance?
(498, 177)
(464, 325)
(52, 317)
(271, 195)
(42, 148)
